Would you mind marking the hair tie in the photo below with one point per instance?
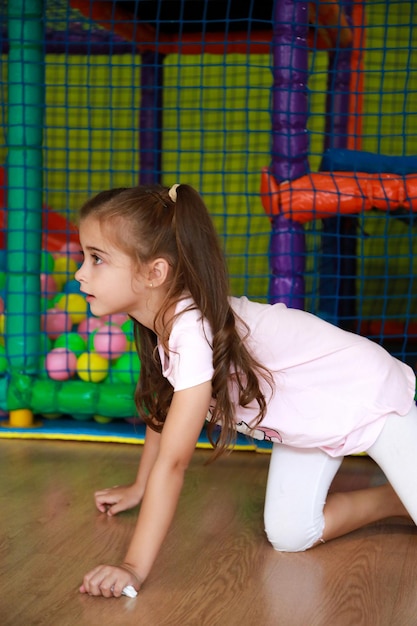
(173, 192)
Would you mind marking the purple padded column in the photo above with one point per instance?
(338, 267)
(289, 144)
(150, 119)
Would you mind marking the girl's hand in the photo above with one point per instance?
(109, 581)
(117, 499)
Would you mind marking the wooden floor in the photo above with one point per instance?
(216, 567)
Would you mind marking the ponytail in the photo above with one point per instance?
(202, 264)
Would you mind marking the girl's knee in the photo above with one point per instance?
(293, 537)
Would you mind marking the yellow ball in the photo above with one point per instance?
(64, 270)
(2, 323)
(92, 367)
(75, 305)
(101, 419)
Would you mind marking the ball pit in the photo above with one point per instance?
(77, 351)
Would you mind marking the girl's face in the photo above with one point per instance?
(110, 279)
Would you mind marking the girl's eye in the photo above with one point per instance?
(96, 259)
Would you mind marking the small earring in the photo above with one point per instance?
(151, 285)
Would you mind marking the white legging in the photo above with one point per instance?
(299, 481)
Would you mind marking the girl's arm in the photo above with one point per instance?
(117, 499)
(177, 443)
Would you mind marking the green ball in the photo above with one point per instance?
(71, 341)
(127, 368)
(47, 262)
(90, 340)
(127, 328)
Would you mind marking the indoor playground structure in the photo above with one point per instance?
(295, 120)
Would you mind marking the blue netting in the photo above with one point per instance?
(203, 92)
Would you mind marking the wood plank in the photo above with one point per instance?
(216, 566)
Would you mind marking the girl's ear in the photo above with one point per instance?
(158, 272)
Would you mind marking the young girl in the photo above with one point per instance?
(317, 392)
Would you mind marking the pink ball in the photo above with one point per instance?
(110, 342)
(55, 322)
(61, 364)
(88, 326)
(115, 318)
(48, 285)
(73, 250)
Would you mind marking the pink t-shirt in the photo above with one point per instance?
(332, 389)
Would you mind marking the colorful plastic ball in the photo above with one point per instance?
(64, 270)
(71, 341)
(92, 368)
(61, 364)
(72, 286)
(47, 262)
(1, 305)
(46, 304)
(101, 419)
(127, 368)
(115, 318)
(110, 341)
(88, 325)
(48, 285)
(73, 251)
(127, 328)
(90, 340)
(55, 322)
(75, 304)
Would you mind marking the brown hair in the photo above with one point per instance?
(146, 224)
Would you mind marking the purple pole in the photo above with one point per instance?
(289, 144)
(150, 120)
(339, 265)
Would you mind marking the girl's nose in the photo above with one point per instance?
(79, 274)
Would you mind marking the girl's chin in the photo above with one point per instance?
(101, 311)
(96, 309)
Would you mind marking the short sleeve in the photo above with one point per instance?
(190, 359)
